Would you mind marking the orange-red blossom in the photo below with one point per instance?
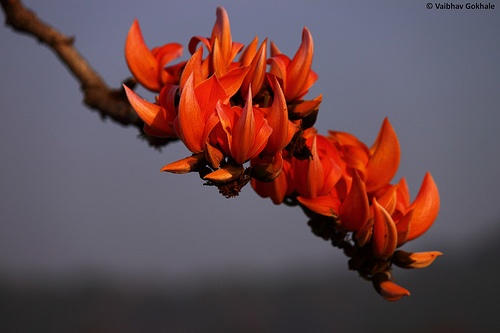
(349, 184)
(235, 105)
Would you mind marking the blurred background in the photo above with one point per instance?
(93, 238)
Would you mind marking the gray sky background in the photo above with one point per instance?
(79, 194)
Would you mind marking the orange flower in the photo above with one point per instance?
(279, 188)
(158, 120)
(255, 60)
(197, 117)
(384, 158)
(377, 165)
(316, 176)
(147, 65)
(424, 208)
(220, 45)
(296, 75)
(229, 112)
(247, 131)
(385, 235)
(277, 118)
(355, 210)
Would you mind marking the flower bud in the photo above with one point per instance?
(388, 289)
(225, 174)
(405, 259)
(185, 165)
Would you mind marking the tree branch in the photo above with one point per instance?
(98, 95)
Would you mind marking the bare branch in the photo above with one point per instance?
(98, 95)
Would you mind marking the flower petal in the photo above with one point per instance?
(232, 80)
(425, 206)
(222, 32)
(193, 66)
(225, 174)
(405, 259)
(152, 114)
(388, 289)
(185, 165)
(248, 54)
(277, 118)
(326, 205)
(256, 73)
(249, 134)
(385, 235)
(403, 227)
(299, 68)
(354, 211)
(190, 121)
(140, 60)
(384, 158)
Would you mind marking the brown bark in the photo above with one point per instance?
(97, 94)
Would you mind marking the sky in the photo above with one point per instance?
(78, 194)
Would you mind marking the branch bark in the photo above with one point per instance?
(97, 94)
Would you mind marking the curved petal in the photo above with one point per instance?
(191, 124)
(225, 174)
(219, 63)
(233, 79)
(388, 198)
(300, 66)
(213, 155)
(274, 49)
(250, 134)
(403, 194)
(405, 259)
(388, 289)
(355, 210)
(249, 52)
(185, 165)
(256, 73)
(277, 118)
(385, 234)
(403, 227)
(384, 158)
(140, 60)
(310, 174)
(209, 92)
(166, 53)
(152, 114)
(193, 66)
(425, 208)
(195, 40)
(222, 32)
(278, 65)
(305, 108)
(326, 205)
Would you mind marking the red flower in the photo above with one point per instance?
(220, 46)
(295, 75)
(246, 129)
(228, 112)
(147, 65)
(158, 120)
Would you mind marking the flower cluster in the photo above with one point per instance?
(244, 118)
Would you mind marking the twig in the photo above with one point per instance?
(98, 95)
